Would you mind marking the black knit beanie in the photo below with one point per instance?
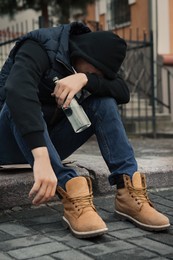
(104, 50)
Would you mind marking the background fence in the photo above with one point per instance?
(9, 35)
(139, 114)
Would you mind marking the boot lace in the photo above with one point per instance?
(139, 194)
(83, 201)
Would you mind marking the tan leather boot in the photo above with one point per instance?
(133, 203)
(79, 212)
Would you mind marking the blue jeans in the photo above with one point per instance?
(62, 141)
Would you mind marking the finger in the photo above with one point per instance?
(40, 194)
(35, 188)
(56, 92)
(47, 195)
(54, 190)
(62, 97)
(68, 100)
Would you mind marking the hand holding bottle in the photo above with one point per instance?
(74, 112)
(66, 88)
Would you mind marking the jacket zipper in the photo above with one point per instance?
(71, 70)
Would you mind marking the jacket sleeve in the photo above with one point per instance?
(116, 88)
(21, 86)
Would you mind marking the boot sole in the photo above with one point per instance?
(142, 225)
(86, 234)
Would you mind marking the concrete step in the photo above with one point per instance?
(16, 183)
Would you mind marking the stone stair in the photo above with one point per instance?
(137, 116)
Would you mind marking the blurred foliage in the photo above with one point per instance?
(59, 7)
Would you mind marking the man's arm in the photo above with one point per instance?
(116, 88)
(45, 181)
(31, 61)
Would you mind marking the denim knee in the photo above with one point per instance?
(101, 105)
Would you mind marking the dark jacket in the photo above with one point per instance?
(55, 42)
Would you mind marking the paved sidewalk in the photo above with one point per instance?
(37, 233)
